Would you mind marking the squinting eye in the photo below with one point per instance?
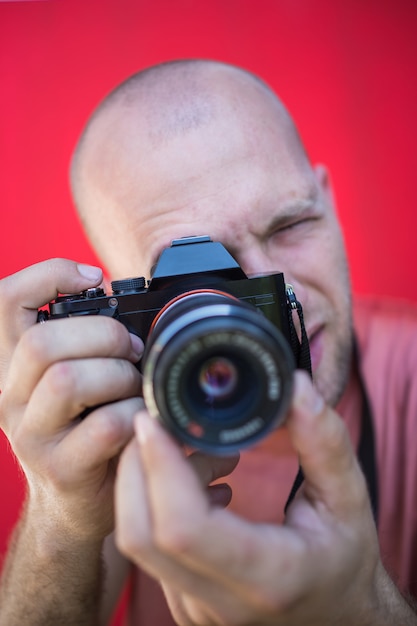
(297, 228)
(291, 226)
(294, 225)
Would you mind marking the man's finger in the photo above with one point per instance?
(210, 468)
(135, 535)
(210, 541)
(78, 385)
(24, 292)
(320, 437)
(63, 340)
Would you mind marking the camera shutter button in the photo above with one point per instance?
(94, 292)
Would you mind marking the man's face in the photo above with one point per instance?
(250, 187)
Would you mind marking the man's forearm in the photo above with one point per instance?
(49, 583)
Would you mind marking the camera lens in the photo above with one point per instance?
(216, 372)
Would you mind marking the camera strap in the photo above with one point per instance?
(300, 346)
(366, 448)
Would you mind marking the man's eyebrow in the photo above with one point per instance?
(298, 209)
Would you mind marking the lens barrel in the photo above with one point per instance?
(217, 373)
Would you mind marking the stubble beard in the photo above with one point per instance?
(332, 381)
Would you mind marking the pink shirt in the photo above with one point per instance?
(387, 333)
(387, 336)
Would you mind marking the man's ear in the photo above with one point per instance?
(324, 180)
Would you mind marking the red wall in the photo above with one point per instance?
(347, 71)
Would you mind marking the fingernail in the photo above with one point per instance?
(91, 272)
(137, 345)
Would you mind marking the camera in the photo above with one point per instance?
(219, 346)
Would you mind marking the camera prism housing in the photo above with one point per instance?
(218, 362)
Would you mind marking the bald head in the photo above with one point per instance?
(175, 97)
(174, 103)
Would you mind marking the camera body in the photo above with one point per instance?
(218, 358)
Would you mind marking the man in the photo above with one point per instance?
(182, 149)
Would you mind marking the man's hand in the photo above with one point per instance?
(321, 568)
(51, 372)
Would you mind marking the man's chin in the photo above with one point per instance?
(331, 380)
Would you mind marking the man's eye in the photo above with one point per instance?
(293, 225)
(297, 228)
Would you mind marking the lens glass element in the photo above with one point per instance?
(218, 378)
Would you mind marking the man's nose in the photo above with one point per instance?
(255, 262)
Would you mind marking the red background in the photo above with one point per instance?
(346, 70)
